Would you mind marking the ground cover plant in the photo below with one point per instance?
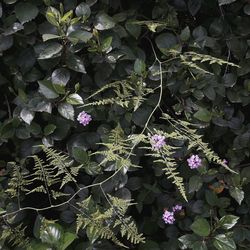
(125, 124)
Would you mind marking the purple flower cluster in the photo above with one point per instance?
(157, 141)
(194, 161)
(168, 216)
(84, 118)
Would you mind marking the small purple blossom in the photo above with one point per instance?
(194, 161)
(177, 208)
(225, 161)
(157, 141)
(84, 118)
(168, 217)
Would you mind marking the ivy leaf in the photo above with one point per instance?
(237, 193)
(27, 115)
(25, 12)
(201, 227)
(104, 22)
(66, 110)
(222, 242)
(75, 63)
(74, 99)
(228, 221)
(51, 50)
(223, 2)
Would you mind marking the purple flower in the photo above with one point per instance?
(177, 208)
(84, 118)
(225, 161)
(168, 217)
(194, 161)
(157, 141)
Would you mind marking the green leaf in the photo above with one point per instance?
(83, 10)
(139, 66)
(201, 227)
(26, 12)
(195, 183)
(185, 34)
(74, 99)
(2, 211)
(49, 129)
(224, 242)
(223, 2)
(51, 233)
(79, 35)
(194, 6)
(60, 76)
(188, 240)
(80, 155)
(75, 63)
(27, 115)
(46, 88)
(47, 37)
(66, 110)
(53, 16)
(67, 239)
(106, 44)
(228, 221)
(104, 22)
(203, 115)
(133, 29)
(52, 50)
(237, 193)
(165, 42)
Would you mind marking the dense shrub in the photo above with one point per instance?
(124, 124)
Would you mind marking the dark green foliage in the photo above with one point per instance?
(176, 68)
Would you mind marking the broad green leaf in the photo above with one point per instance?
(83, 10)
(6, 42)
(185, 34)
(203, 115)
(188, 240)
(66, 240)
(47, 37)
(52, 50)
(139, 67)
(133, 29)
(51, 233)
(53, 16)
(165, 42)
(104, 22)
(75, 63)
(194, 6)
(46, 88)
(79, 35)
(26, 11)
(195, 183)
(228, 221)
(201, 227)
(66, 110)
(80, 155)
(74, 99)
(106, 44)
(224, 242)
(60, 76)
(237, 193)
(27, 115)
(49, 129)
